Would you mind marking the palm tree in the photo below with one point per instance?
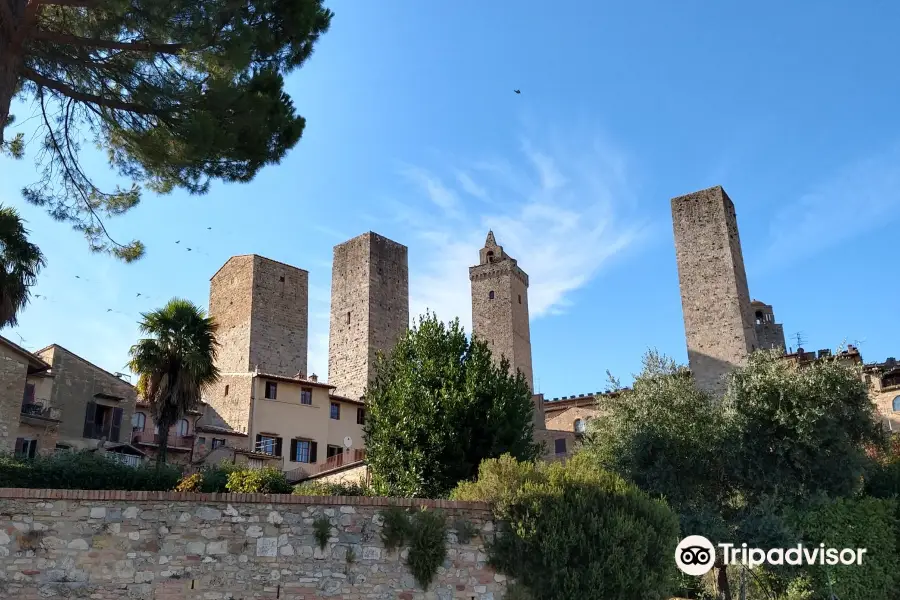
(20, 263)
(174, 363)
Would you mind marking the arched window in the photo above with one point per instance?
(896, 404)
(181, 428)
(579, 426)
(490, 256)
(491, 295)
(759, 317)
(138, 420)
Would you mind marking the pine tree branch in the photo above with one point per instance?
(74, 40)
(69, 3)
(69, 92)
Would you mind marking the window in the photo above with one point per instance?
(218, 443)
(306, 396)
(226, 390)
(579, 426)
(102, 422)
(271, 390)
(491, 295)
(303, 451)
(26, 448)
(348, 317)
(281, 279)
(62, 448)
(520, 298)
(138, 421)
(560, 446)
(268, 444)
(28, 398)
(335, 411)
(360, 416)
(201, 441)
(334, 450)
(182, 427)
(896, 404)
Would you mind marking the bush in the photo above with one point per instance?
(190, 483)
(84, 471)
(572, 530)
(267, 480)
(427, 545)
(322, 488)
(868, 523)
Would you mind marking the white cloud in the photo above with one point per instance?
(858, 198)
(562, 210)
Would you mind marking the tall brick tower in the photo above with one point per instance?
(262, 310)
(500, 306)
(369, 308)
(718, 321)
(769, 334)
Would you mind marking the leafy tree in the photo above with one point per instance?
(20, 263)
(437, 407)
(570, 530)
(731, 468)
(174, 363)
(179, 92)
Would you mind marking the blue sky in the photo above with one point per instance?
(414, 132)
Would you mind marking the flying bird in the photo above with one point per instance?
(108, 310)
(209, 227)
(138, 295)
(518, 91)
(188, 249)
(177, 241)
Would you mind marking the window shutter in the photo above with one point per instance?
(257, 447)
(293, 456)
(20, 445)
(116, 428)
(278, 446)
(313, 458)
(89, 413)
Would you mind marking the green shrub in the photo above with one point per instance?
(883, 479)
(427, 545)
(322, 531)
(85, 471)
(396, 528)
(868, 523)
(322, 488)
(571, 530)
(267, 480)
(215, 478)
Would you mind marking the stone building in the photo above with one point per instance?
(145, 435)
(718, 320)
(369, 308)
(265, 409)
(500, 306)
(883, 380)
(29, 424)
(769, 334)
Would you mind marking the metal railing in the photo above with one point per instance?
(39, 409)
(339, 460)
(174, 441)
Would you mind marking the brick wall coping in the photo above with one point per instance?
(133, 496)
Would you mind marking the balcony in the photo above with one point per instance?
(39, 412)
(340, 460)
(175, 442)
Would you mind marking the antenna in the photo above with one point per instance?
(800, 339)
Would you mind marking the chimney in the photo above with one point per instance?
(314, 377)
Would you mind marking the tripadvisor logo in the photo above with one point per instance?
(696, 555)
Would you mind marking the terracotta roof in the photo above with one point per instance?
(346, 399)
(296, 380)
(217, 429)
(33, 359)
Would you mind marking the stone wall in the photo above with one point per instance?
(369, 308)
(112, 545)
(718, 321)
(12, 389)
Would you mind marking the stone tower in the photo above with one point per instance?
(718, 321)
(262, 310)
(500, 306)
(369, 308)
(769, 334)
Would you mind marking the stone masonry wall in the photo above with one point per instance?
(718, 321)
(230, 301)
(12, 389)
(115, 545)
(369, 308)
(279, 332)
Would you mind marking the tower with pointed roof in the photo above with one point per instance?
(500, 306)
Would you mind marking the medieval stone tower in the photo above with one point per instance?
(718, 320)
(369, 308)
(500, 306)
(262, 310)
(769, 334)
